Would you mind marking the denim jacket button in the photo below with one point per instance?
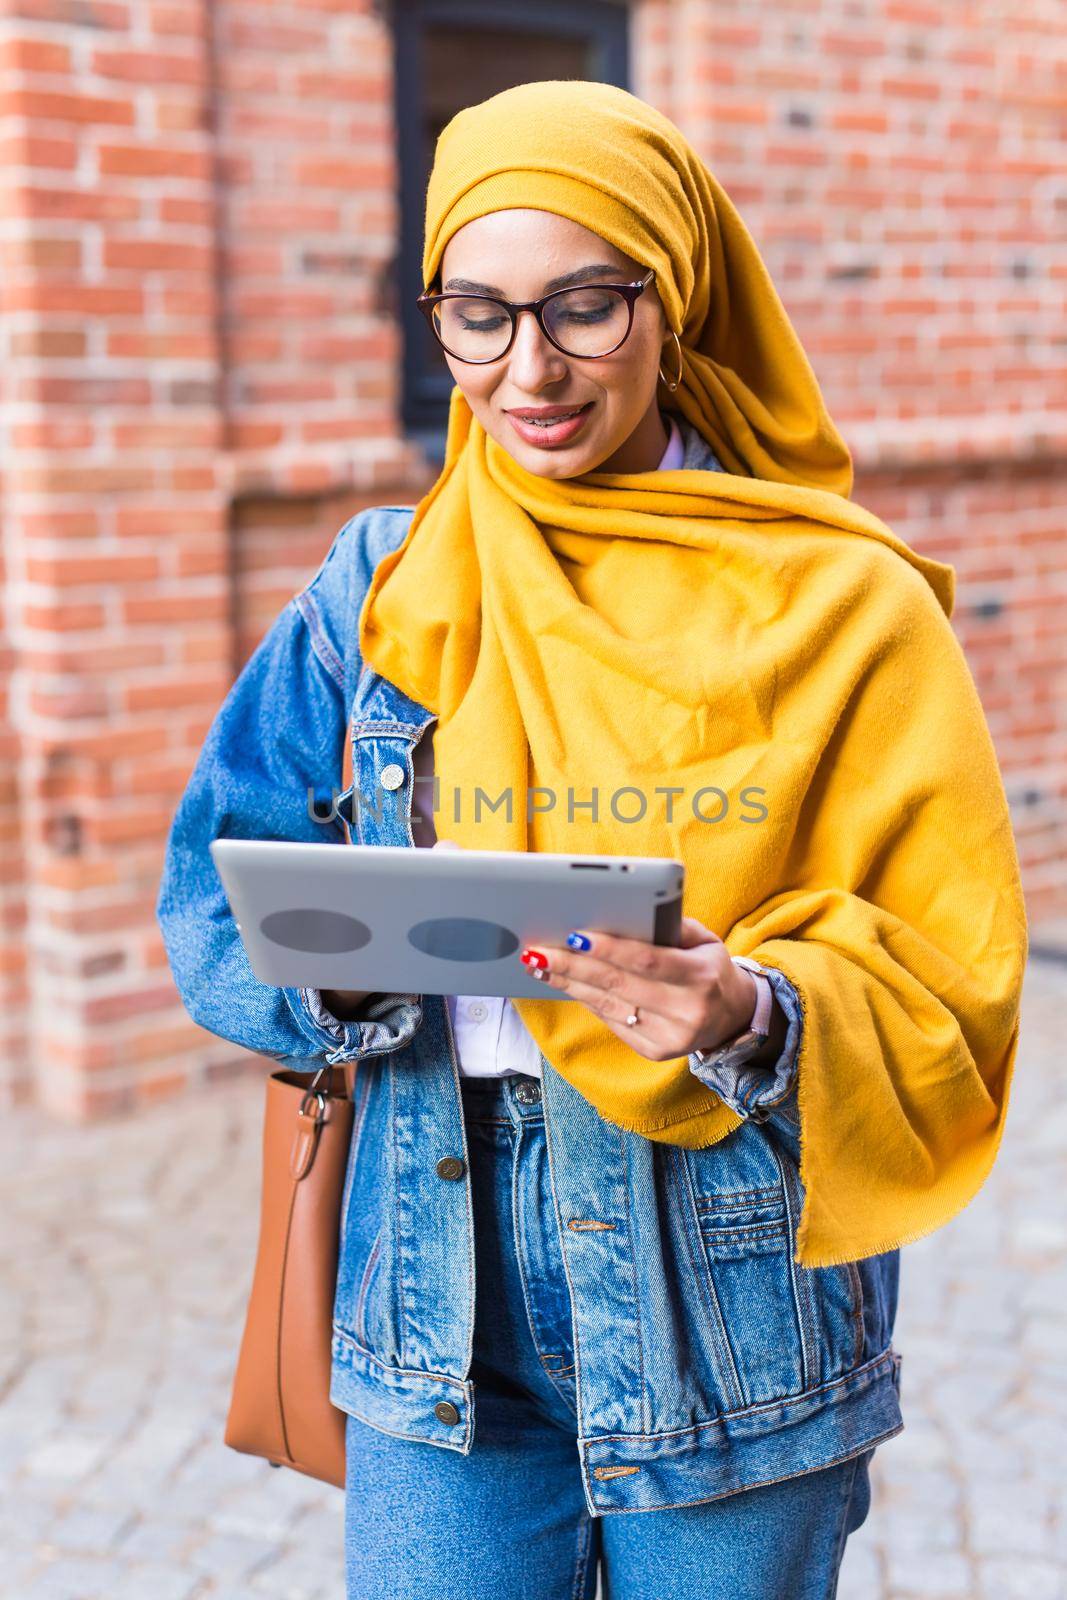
(451, 1167)
(392, 776)
(445, 1411)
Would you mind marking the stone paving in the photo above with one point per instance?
(128, 1253)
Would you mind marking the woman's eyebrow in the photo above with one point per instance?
(569, 280)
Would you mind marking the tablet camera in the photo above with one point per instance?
(463, 939)
(323, 933)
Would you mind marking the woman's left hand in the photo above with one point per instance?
(687, 997)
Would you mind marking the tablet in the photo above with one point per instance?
(395, 919)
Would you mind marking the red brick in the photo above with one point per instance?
(33, 55)
(64, 572)
(179, 695)
(184, 300)
(48, 106)
(64, 618)
(113, 478)
(344, 174)
(25, 149)
(861, 43)
(76, 873)
(153, 67)
(87, 700)
(88, 299)
(82, 523)
(192, 479)
(76, 205)
(292, 216)
(53, 434)
(116, 743)
(269, 122)
(178, 21)
(168, 521)
(246, 434)
(181, 113)
(167, 435)
(48, 343)
(96, 14)
(152, 345)
(162, 1040)
(56, 390)
(58, 656)
(333, 87)
(253, 28)
(176, 608)
(153, 161)
(34, 253)
(186, 209)
(206, 648)
(157, 255)
(131, 1003)
(911, 88)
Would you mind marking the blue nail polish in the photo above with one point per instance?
(578, 941)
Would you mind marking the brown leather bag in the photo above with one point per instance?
(280, 1404)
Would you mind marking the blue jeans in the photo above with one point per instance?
(510, 1520)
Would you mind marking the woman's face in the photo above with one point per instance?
(517, 254)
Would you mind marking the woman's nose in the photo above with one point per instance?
(533, 359)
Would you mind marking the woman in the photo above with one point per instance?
(636, 1253)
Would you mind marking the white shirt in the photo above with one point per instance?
(491, 1038)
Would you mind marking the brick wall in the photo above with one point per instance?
(200, 375)
(901, 166)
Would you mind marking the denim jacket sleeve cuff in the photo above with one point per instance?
(389, 1021)
(749, 1090)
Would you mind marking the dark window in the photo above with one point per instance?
(455, 53)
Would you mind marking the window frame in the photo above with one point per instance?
(603, 24)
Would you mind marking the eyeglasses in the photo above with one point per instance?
(589, 322)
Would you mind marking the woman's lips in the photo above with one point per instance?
(555, 434)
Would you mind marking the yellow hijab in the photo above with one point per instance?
(751, 632)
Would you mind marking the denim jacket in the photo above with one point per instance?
(708, 1359)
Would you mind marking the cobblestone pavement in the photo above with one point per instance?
(130, 1247)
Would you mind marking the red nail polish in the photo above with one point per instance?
(534, 958)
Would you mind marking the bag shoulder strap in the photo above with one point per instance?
(346, 783)
(346, 759)
(346, 774)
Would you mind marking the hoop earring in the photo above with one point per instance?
(681, 365)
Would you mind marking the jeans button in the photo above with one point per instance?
(445, 1411)
(528, 1093)
(451, 1167)
(392, 776)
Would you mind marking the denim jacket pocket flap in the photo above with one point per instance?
(743, 1222)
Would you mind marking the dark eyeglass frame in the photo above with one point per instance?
(629, 291)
